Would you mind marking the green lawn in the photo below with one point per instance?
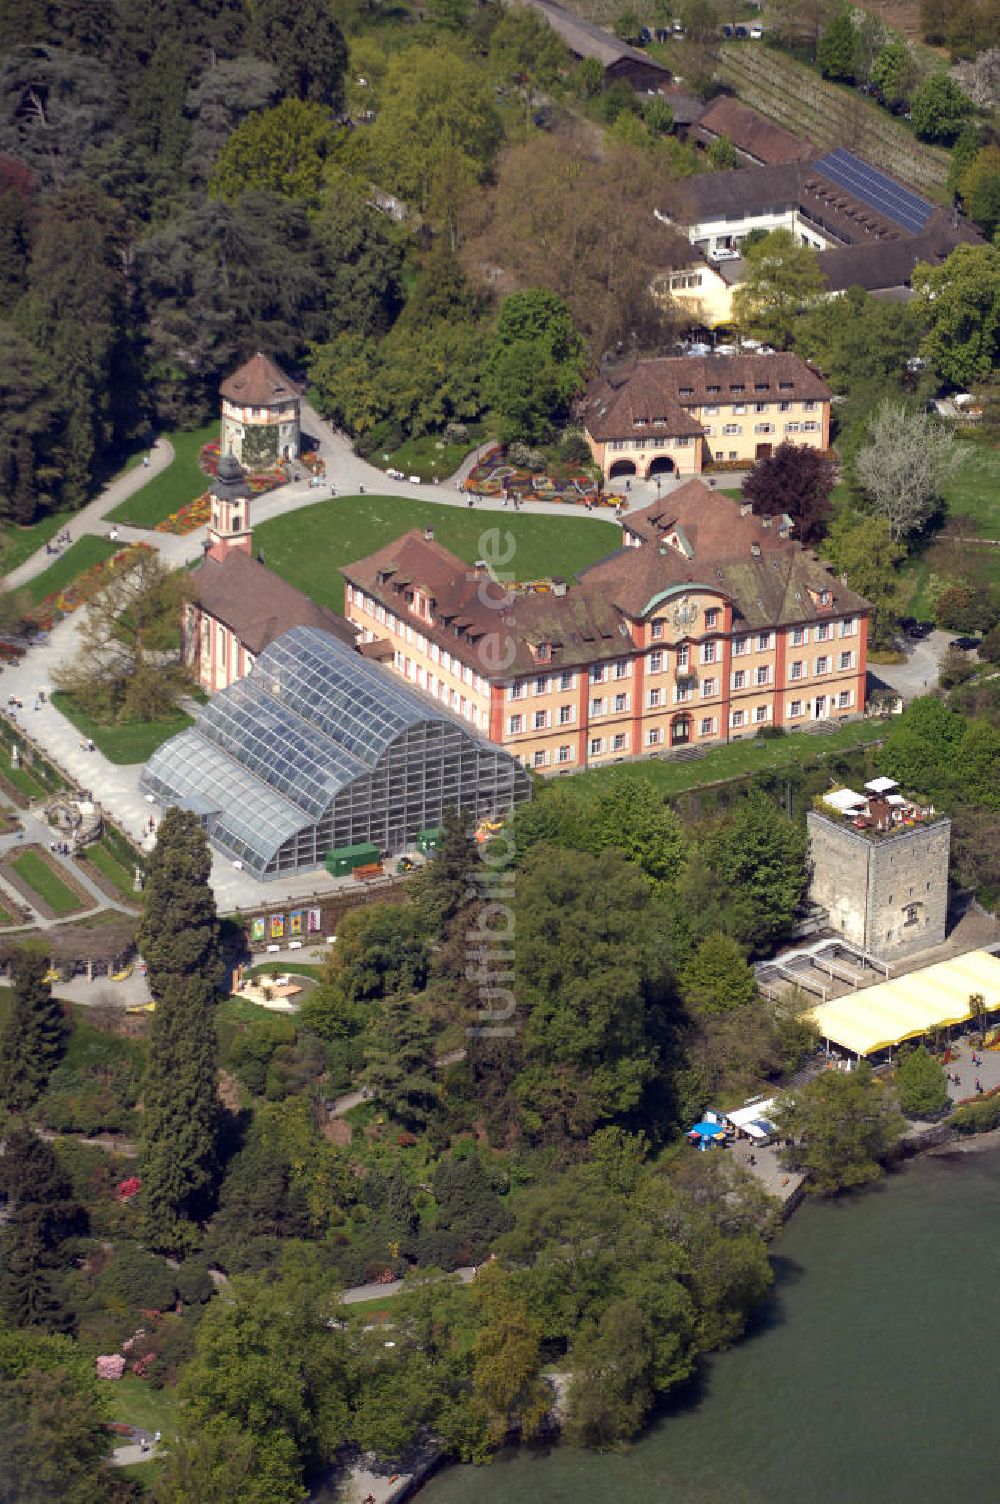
(5, 917)
(973, 493)
(423, 457)
(132, 741)
(19, 543)
(740, 758)
(137, 1403)
(110, 867)
(173, 487)
(307, 547)
(80, 556)
(33, 870)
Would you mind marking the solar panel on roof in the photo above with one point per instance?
(874, 188)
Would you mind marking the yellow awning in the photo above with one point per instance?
(876, 1017)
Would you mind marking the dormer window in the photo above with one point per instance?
(736, 386)
(713, 391)
(824, 597)
(543, 652)
(687, 391)
(638, 422)
(786, 386)
(761, 386)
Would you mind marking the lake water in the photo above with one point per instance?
(870, 1377)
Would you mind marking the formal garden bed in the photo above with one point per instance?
(520, 474)
(82, 572)
(108, 872)
(196, 513)
(45, 884)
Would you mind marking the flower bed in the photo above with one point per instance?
(86, 585)
(189, 518)
(496, 475)
(260, 481)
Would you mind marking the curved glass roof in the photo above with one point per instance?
(284, 750)
(242, 812)
(327, 683)
(269, 755)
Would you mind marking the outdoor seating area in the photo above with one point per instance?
(880, 810)
(917, 1004)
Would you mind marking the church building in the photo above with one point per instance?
(237, 605)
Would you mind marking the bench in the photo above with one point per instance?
(368, 871)
(295, 945)
(273, 949)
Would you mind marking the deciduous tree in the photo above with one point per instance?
(920, 1084)
(837, 51)
(937, 109)
(794, 479)
(506, 1389)
(902, 466)
(781, 278)
(717, 978)
(863, 550)
(960, 303)
(282, 150)
(128, 667)
(843, 1124)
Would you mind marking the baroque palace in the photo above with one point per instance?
(707, 625)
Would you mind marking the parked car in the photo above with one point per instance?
(965, 644)
(920, 629)
(756, 31)
(724, 253)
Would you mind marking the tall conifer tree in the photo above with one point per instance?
(35, 1037)
(178, 937)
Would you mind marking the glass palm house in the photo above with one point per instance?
(317, 750)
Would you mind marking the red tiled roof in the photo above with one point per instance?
(257, 604)
(751, 133)
(259, 383)
(654, 394)
(770, 579)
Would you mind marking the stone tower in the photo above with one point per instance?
(260, 414)
(881, 872)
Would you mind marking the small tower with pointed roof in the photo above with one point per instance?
(229, 526)
(260, 414)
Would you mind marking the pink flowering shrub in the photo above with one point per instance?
(110, 1366)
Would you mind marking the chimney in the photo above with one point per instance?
(558, 585)
(746, 508)
(765, 522)
(428, 535)
(755, 550)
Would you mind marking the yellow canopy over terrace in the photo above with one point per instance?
(911, 1005)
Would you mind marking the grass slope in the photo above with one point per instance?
(174, 487)
(110, 867)
(739, 759)
(132, 741)
(307, 547)
(80, 556)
